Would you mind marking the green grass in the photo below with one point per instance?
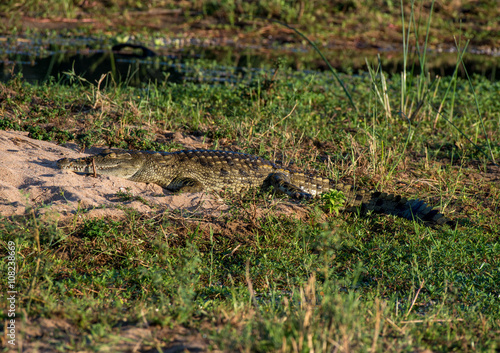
(373, 282)
(275, 282)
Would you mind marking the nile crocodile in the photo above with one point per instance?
(197, 170)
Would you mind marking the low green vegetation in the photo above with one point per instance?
(255, 278)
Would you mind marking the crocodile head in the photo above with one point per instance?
(123, 165)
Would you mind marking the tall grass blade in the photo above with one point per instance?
(481, 120)
(332, 70)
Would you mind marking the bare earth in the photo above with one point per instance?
(128, 338)
(29, 178)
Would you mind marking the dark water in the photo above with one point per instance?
(71, 59)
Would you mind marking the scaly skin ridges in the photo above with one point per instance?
(197, 170)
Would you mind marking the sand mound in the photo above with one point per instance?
(30, 179)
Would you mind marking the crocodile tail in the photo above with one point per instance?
(379, 202)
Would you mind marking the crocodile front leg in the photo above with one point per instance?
(185, 185)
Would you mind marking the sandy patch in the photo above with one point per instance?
(30, 179)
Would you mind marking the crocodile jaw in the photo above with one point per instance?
(121, 165)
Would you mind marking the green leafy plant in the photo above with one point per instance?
(333, 201)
